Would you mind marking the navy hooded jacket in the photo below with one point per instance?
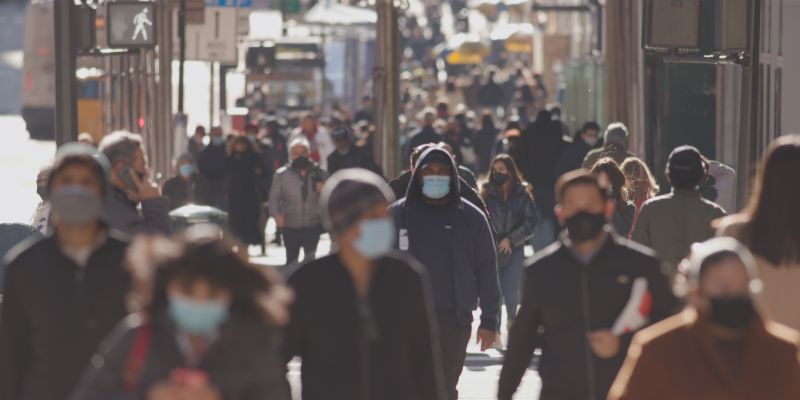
(471, 247)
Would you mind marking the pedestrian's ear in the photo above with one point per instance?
(559, 211)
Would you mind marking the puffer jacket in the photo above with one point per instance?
(296, 197)
(515, 218)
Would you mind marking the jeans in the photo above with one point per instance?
(295, 238)
(510, 278)
(453, 339)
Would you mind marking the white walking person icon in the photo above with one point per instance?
(140, 20)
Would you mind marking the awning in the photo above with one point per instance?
(330, 13)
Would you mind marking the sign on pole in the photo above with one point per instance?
(131, 24)
(215, 40)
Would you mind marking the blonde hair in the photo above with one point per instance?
(641, 183)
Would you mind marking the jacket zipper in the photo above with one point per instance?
(590, 378)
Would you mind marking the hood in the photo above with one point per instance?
(414, 191)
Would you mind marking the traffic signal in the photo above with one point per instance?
(260, 58)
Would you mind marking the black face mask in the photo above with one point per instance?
(584, 226)
(42, 192)
(499, 179)
(301, 162)
(732, 312)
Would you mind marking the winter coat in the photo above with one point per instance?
(382, 346)
(124, 215)
(243, 363)
(55, 314)
(295, 197)
(244, 204)
(669, 224)
(476, 274)
(623, 218)
(679, 359)
(573, 156)
(724, 185)
(424, 135)
(569, 299)
(354, 158)
(516, 218)
(538, 152)
(615, 152)
(484, 142)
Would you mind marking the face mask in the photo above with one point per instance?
(301, 162)
(435, 186)
(75, 205)
(591, 141)
(218, 140)
(732, 312)
(42, 192)
(499, 179)
(376, 238)
(584, 226)
(197, 317)
(186, 170)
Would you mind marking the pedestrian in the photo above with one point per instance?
(204, 326)
(582, 299)
(719, 185)
(318, 138)
(131, 188)
(641, 184)
(608, 171)
(453, 240)
(722, 346)
(426, 134)
(576, 152)
(244, 172)
(362, 320)
(768, 227)
(196, 144)
(41, 216)
(86, 138)
(491, 94)
(187, 187)
(513, 216)
(347, 155)
(615, 145)
(669, 224)
(294, 202)
(484, 141)
(213, 164)
(63, 292)
(365, 113)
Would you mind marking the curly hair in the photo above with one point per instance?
(617, 180)
(641, 184)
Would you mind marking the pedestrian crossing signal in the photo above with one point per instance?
(131, 24)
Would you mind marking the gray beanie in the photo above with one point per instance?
(348, 194)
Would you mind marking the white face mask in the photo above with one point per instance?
(591, 141)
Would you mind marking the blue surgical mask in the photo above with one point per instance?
(186, 170)
(435, 186)
(218, 140)
(75, 205)
(376, 238)
(197, 317)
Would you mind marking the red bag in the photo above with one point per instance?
(137, 358)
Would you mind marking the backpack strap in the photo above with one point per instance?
(137, 357)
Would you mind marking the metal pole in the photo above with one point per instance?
(182, 50)
(66, 110)
(749, 130)
(387, 93)
(211, 94)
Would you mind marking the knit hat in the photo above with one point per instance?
(348, 194)
(702, 253)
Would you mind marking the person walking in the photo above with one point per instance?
(244, 172)
(187, 187)
(347, 154)
(722, 346)
(576, 152)
(582, 299)
(212, 163)
(318, 137)
(64, 292)
(615, 145)
(427, 133)
(135, 204)
(40, 219)
(362, 320)
(453, 240)
(669, 224)
(641, 184)
(607, 171)
(484, 141)
(294, 202)
(205, 326)
(196, 144)
(768, 227)
(513, 216)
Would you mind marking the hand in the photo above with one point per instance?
(279, 221)
(145, 189)
(163, 391)
(604, 343)
(199, 393)
(318, 186)
(485, 338)
(505, 246)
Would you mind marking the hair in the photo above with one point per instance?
(513, 170)
(773, 227)
(487, 121)
(591, 125)
(580, 177)
(616, 134)
(687, 180)
(120, 146)
(619, 184)
(250, 146)
(641, 184)
(202, 253)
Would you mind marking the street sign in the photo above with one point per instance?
(131, 24)
(215, 40)
(195, 11)
(696, 26)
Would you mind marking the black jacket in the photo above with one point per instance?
(356, 157)
(182, 192)
(476, 277)
(242, 364)
(383, 348)
(563, 300)
(424, 135)
(538, 152)
(54, 315)
(213, 162)
(515, 218)
(573, 156)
